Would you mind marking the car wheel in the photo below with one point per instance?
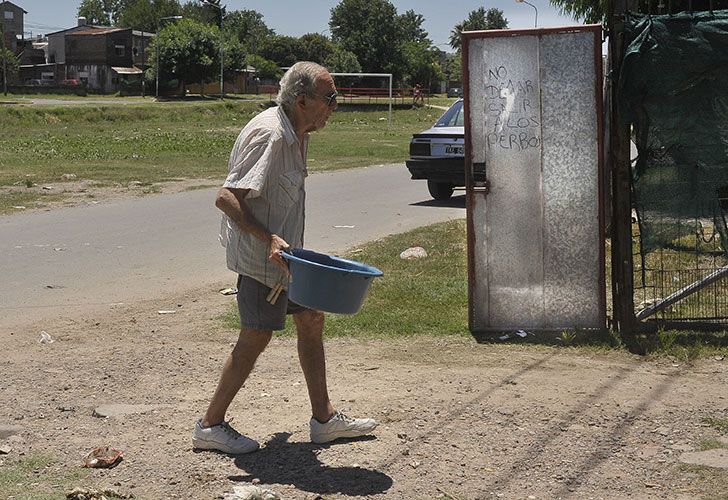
(440, 190)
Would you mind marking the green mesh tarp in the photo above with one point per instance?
(673, 88)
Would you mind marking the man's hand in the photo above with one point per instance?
(275, 250)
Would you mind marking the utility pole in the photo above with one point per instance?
(222, 51)
(5, 57)
(222, 57)
(143, 60)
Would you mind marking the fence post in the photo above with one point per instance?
(619, 163)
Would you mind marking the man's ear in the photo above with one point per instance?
(301, 100)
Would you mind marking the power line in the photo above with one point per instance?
(33, 24)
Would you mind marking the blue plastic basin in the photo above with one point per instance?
(328, 283)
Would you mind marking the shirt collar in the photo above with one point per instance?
(288, 132)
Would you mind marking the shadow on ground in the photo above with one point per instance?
(454, 202)
(281, 462)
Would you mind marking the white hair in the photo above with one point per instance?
(299, 79)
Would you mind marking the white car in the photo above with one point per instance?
(438, 153)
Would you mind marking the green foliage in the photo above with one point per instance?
(421, 64)
(148, 142)
(188, 51)
(38, 477)
(95, 12)
(478, 19)
(342, 61)
(316, 47)
(710, 444)
(283, 50)
(426, 296)
(587, 11)
(370, 30)
(666, 338)
(410, 26)
(453, 67)
(567, 337)
(12, 63)
(204, 11)
(145, 14)
(264, 68)
(720, 424)
(249, 28)
(385, 42)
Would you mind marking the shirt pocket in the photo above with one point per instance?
(290, 185)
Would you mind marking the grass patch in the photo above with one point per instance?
(430, 297)
(39, 477)
(201, 186)
(720, 424)
(685, 346)
(152, 142)
(414, 297)
(12, 199)
(710, 444)
(686, 259)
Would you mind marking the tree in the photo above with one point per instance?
(12, 63)
(204, 11)
(478, 19)
(421, 64)
(283, 50)
(264, 68)
(145, 14)
(410, 25)
(95, 12)
(588, 11)
(249, 28)
(370, 29)
(453, 68)
(188, 51)
(342, 61)
(316, 47)
(595, 11)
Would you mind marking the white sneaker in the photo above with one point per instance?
(222, 437)
(340, 426)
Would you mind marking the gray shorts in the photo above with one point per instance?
(258, 313)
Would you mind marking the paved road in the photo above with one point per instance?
(63, 262)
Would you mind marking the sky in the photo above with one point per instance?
(297, 17)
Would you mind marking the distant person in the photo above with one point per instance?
(418, 99)
(262, 200)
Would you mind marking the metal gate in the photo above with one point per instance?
(671, 259)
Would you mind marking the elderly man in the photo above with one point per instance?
(262, 200)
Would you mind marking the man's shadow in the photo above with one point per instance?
(282, 462)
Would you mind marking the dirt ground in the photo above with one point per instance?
(458, 419)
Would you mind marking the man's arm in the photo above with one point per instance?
(232, 203)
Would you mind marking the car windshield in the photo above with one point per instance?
(453, 117)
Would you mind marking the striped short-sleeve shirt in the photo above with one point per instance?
(268, 160)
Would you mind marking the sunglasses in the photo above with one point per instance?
(330, 99)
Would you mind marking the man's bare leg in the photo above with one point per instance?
(310, 328)
(235, 371)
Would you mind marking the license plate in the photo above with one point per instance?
(454, 150)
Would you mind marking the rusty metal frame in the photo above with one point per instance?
(470, 187)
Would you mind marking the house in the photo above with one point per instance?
(57, 40)
(104, 58)
(11, 18)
